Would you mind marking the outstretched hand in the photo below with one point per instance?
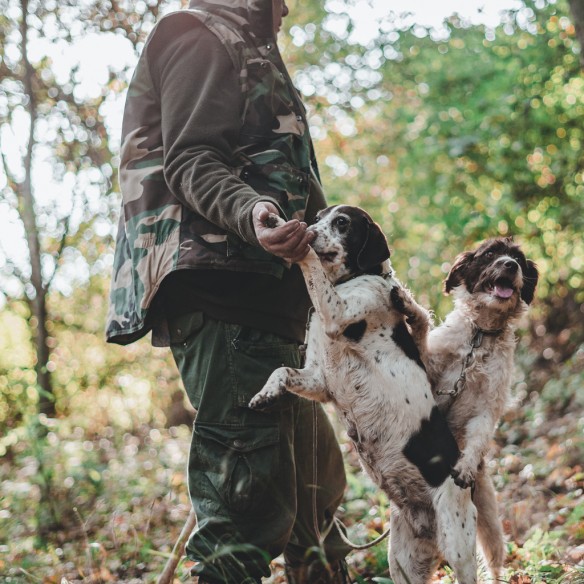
(289, 240)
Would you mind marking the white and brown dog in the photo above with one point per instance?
(362, 355)
(470, 362)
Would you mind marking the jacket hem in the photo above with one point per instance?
(142, 328)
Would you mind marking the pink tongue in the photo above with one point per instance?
(503, 292)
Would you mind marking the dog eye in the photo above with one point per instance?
(341, 221)
(490, 254)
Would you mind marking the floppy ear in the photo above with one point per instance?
(530, 279)
(374, 250)
(454, 277)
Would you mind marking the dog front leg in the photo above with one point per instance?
(304, 382)
(477, 437)
(330, 308)
(417, 317)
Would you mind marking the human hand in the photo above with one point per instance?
(289, 240)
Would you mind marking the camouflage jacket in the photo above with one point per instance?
(174, 216)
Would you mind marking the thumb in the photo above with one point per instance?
(262, 210)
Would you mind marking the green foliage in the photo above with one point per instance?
(120, 498)
(455, 139)
(566, 389)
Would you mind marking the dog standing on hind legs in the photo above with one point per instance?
(470, 362)
(362, 355)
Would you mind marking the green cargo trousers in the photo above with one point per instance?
(261, 483)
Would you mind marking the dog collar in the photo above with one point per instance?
(385, 276)
(475, 342)
(486, 332)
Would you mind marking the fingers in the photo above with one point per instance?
(289, 240)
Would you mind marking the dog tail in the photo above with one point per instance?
(489, 528)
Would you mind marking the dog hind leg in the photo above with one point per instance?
(489, 528)
(305, 382)
(412, 559)
(456, 530)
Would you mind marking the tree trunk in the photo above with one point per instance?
(577, 9)
(38, 302)
(46, 404)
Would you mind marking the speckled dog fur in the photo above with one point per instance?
(362, 355)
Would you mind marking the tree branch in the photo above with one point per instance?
(59, 252)
(11, 181)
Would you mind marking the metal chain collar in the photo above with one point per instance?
(475, 342)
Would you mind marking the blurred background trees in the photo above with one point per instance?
(446, 135)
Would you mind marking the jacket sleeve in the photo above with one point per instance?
(201, 107)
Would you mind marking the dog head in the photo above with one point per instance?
(348, 242)
(497, 271)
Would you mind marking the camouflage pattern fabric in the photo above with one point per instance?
(157, 234)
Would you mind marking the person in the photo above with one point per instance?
(214, 139)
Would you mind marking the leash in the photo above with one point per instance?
(475, 342)
(341, 527)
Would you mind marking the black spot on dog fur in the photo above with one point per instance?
(433, 449)
(354, 332)
(402, 338)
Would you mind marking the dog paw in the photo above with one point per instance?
(403, 302)
(464, 478)
(399, 299)
(264, 399)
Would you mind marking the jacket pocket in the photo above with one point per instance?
(268, 99)
(240, 462)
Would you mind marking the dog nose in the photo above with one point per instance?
(511, 265)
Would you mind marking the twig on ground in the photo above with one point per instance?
(177, 551)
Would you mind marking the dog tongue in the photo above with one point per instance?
(503, 291)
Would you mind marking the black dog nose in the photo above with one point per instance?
(511, 265)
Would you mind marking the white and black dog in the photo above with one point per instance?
(470, 362)
(362, 355)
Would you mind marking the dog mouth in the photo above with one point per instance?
(502, 288)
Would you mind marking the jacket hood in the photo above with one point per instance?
(256, 14)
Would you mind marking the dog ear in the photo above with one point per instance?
(374, 250)
(454, 277)
(530, 278)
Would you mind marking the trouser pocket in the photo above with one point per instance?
(255, 355)
(239, 463)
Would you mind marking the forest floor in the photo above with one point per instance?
(120, 498)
